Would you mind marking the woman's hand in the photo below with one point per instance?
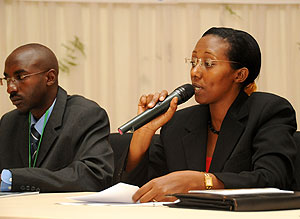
(150, 101)
(175, 182)
(141, 138)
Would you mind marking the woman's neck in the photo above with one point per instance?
(219, 110)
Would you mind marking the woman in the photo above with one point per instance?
(229, 140)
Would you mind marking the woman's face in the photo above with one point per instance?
(214, 81)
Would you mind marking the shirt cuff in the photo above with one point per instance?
(6, 181)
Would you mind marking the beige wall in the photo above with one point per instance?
(133, 49)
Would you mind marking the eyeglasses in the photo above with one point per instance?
(18, 78)
(207, 63)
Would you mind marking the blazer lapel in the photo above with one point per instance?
(194, 142)
(54, 122)
(230, 133)
(23, 129)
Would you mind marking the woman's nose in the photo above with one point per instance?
(197, 71)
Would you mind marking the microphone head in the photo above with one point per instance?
(185, 91)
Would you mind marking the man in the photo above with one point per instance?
(52, 142)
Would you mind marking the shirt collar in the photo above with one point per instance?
(39, 125)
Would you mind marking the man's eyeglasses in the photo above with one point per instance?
(18, 78)
(207, 63)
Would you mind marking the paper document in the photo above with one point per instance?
(119, 193)
(147, 204)
(241, 191)
(10, 194)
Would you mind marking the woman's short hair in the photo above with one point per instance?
(243, 49)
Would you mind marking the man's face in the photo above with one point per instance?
(27, 93)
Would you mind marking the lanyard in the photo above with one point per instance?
(37, 152)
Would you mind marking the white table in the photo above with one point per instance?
(47, 205)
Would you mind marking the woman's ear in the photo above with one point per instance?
(241, 75)
(51, 77)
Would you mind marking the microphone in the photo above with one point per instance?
(183, 93)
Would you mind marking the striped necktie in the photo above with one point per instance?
(34, 141)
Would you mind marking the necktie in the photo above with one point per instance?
(34, 142)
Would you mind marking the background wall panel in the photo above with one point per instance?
(139, 47)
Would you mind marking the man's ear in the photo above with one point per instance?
(241, 75)
(51, 77)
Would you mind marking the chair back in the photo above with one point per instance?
(119, 144)
(296, 186)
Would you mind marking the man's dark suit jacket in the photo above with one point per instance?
(74, 154)
(255, 147)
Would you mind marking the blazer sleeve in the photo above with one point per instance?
(80, 159)
(269, 131)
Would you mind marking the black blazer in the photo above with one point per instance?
(74, 155)
(255, 147)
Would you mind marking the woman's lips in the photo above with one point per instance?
(198, 88)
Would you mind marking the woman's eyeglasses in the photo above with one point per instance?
(207, 63)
